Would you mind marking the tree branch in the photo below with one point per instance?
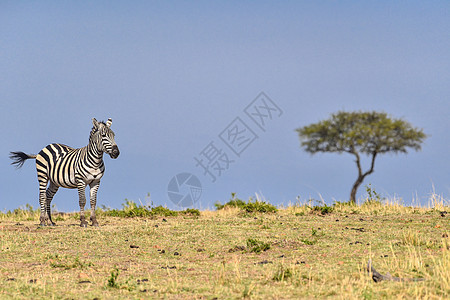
(372, 165)
(358, 161)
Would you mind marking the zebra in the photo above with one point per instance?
(59, 165)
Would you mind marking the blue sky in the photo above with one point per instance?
(173, 75)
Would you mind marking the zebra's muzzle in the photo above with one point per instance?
(115, 152)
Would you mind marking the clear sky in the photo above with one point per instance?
(177, 77)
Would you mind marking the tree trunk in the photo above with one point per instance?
(361, 175)
(355, 189)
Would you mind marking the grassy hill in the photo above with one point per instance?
(301, 251)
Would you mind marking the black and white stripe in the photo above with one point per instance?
(59, 165)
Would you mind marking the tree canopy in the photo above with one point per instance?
(370, 133)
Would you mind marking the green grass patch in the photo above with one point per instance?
(131, 209)
(323, 210)
(68, 263)
(256, 246)
(112, 280)
(282, 273)
(251, 206)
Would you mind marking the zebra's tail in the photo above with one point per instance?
(19, 158)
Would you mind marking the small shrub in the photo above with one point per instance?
(191, 211)
(234, 202)
(57, 263)
(256, 246)
(308, 242)
(131, 210)
(323, 209)
(163, 211)
(315, 234)
(112, 280)
(373, 198)
(250, 206)
(282, 273)
(259, 206)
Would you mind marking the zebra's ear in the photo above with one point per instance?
(109, 122)
(94, 121)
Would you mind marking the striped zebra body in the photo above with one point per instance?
(63, 165)
(59, 165)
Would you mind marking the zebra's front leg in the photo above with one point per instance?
(93, 198)
(82, 201)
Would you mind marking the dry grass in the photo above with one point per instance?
(311, 254)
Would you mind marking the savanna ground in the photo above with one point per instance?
(301, 251)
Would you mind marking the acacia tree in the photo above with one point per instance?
(370, 133)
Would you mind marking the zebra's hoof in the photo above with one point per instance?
(52, 224)
(83, 224)
(42, 225)
(95, 224)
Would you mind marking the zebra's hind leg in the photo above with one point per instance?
(51, 191)
(43, 200)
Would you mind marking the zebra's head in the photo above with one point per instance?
(103, 136)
